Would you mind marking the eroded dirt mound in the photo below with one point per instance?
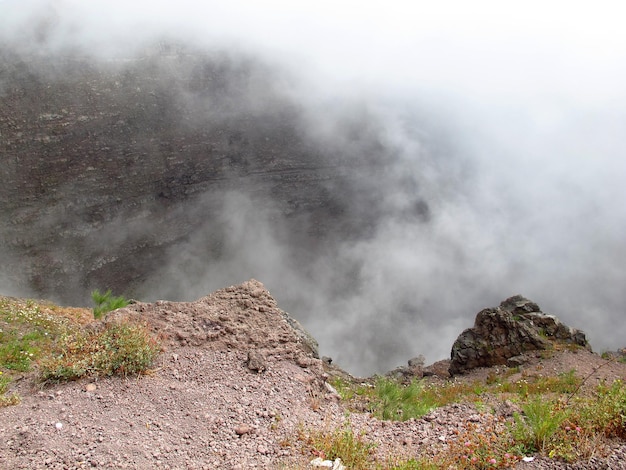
(243, 318)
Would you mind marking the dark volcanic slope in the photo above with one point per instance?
(107, 164)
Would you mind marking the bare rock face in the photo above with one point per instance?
(508, 331)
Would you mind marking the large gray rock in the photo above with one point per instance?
(499, 334)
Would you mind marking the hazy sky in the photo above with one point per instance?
(534, 93)
(572, 50)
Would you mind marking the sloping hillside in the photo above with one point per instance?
(238, 385)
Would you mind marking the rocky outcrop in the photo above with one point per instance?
(501, 334)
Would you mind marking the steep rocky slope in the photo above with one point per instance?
(107, 163)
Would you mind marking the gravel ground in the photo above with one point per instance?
(205, 410)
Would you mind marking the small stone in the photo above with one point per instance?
(59, 426)
(256, 361)
(243, 429)
(320, 462)
(90, 387)
(417, 361)
(303, 361)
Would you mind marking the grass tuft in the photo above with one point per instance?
(394, 401)
(10, 399)
(353, 450)
(542, 419)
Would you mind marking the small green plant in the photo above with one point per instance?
(119, 348)
(411, 464)
(541, 420)
(346, 390)
(389, 399)
(355, 452)
(106, 302)
(395, 401)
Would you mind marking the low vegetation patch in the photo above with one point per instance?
(487, 446)
(7, 399)
(395, 402)
(52, 344)
(354, 450)
(118, 348)
(554, 419)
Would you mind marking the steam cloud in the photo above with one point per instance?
(506, 131)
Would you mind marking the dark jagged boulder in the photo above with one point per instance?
(508, 331)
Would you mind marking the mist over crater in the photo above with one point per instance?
(381, 217)
(177, 171)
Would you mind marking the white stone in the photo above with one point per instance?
(319, 462)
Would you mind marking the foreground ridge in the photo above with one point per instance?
(238, 384)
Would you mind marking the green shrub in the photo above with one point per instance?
(106, 302)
